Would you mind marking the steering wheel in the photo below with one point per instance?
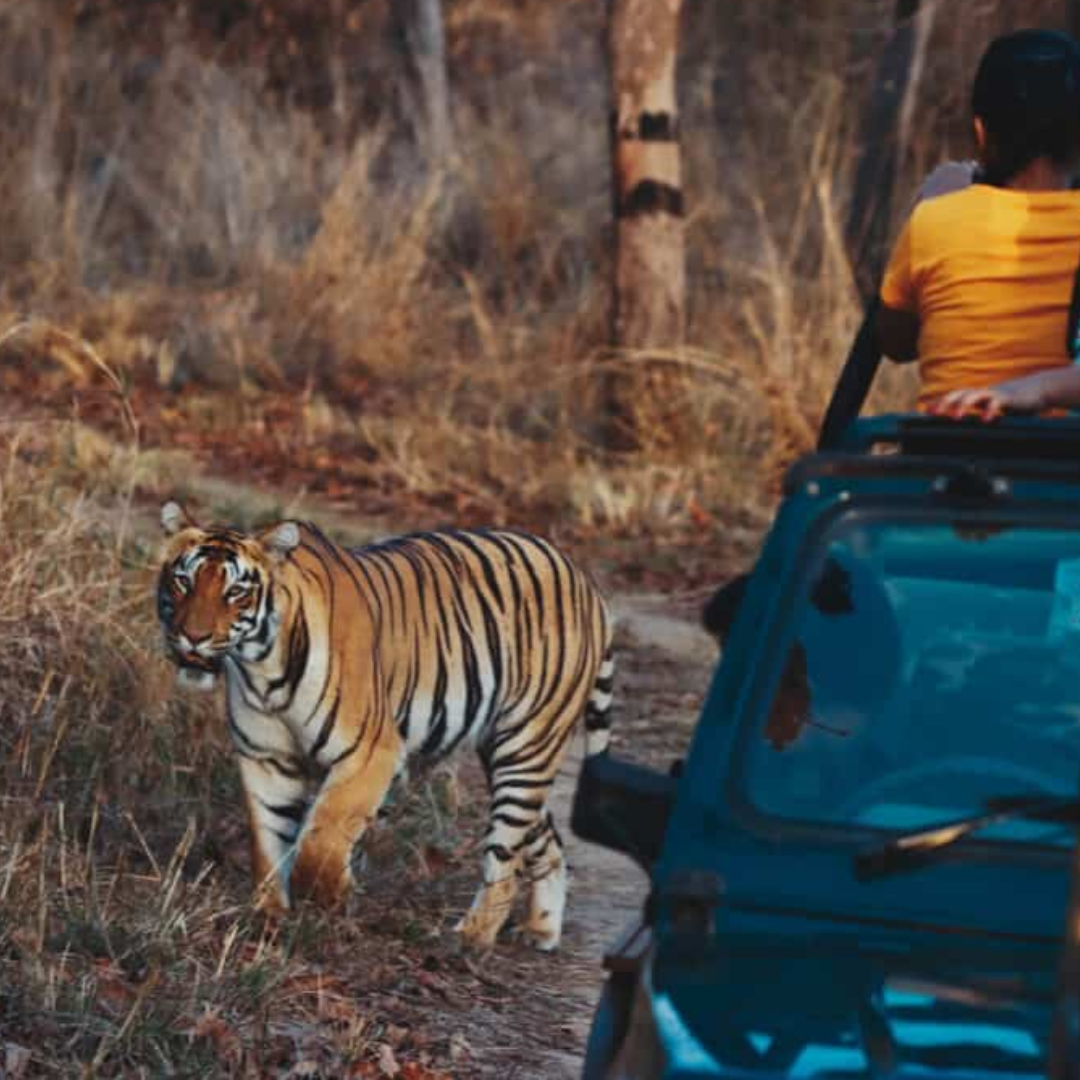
(1009, 778)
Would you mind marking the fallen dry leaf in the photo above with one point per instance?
(698, 514)
(388, 1064)
(459, 1047)
(315, 983)
(340, 1009)
(435, 861)
(225, 1040)
(395, 1035)
(16, 1061)
(113, 989)
(413, 1070)
(431, 982)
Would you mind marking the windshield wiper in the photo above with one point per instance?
(914, 849)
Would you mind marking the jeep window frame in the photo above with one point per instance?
(778, 635)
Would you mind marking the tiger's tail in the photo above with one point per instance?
(598, 708)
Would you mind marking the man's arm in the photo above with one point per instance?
(898, 334)
(1058, 388)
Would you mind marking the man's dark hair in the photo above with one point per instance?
(1027, 93)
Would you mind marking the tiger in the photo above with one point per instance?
(341, 663)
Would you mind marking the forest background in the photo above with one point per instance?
(237, 205)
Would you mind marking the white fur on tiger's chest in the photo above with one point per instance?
(256, 732)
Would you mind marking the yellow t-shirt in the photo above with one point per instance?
(989, 271)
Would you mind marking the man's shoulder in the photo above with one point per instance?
(951, 206)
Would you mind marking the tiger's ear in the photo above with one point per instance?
(280, 539)
(174, 518)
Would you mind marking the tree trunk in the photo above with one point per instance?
(417, 26)
(883, 138)
(1074, 18)
(648, 309)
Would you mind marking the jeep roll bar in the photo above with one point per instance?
(854, 382)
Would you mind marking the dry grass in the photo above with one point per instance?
(88, 886)
(127, 946)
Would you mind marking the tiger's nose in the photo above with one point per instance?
(189, 643)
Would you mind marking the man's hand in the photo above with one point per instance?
(1027, 395)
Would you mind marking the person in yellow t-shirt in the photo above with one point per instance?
(978, 285)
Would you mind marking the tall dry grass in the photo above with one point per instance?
(216, 235)
(127, 945)
(206, 237)
(102, 774)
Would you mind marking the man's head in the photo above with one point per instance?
(1026, 103)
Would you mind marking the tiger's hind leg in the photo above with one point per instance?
(495, 897)
(545, 858)
(546, 872)
(519, 827)
(508, 831)
(517, 808)
(521, 760)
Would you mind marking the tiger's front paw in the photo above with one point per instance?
(324, 878)
(540, 934)
(478, 930)
(490, 909)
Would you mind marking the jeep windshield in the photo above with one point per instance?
(935, 671)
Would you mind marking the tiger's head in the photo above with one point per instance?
(214, 592)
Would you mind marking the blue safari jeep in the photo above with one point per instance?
(863, 866)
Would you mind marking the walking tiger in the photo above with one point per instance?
(339, 663)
